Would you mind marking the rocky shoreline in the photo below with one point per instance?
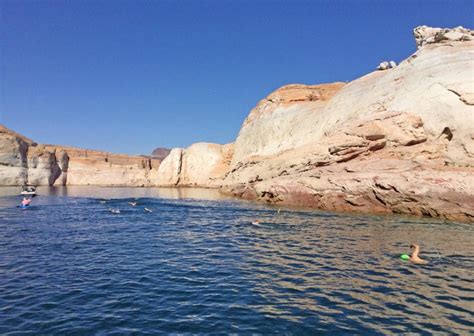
(397, 140)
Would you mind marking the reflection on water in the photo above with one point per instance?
(122, 192)
(197, 265)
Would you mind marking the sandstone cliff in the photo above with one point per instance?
(23, 161)
(13, 157)
(283, 121)
(201, 164)
(91, 167)
(399, 140)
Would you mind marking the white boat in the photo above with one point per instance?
(28, 191)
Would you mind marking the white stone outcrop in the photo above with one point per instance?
(201, 164)
(397, 141)
(169, 172)
(391, 141)
(386, 65)
(428, 35)
(43, 168)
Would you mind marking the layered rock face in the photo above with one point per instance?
(13, 157)
(201, 164)
(43, 168)
(23, 161)
(90, 167)
(284, 120)
(399, 140)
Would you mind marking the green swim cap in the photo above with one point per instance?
(405, 257)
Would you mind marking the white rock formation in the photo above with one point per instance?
(23, 161)
(282, 121)
(428, 35)
(169, 172)
(391, 141)
(386, 65)
(43, 168)
(201, 164)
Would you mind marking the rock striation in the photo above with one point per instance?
(91, 167)
(22, 161)
(283, 121)
(13, 157)
(393, 141)
(398, 141)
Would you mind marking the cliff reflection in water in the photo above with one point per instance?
(122, 192)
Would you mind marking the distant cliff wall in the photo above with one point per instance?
(22, 161)
(397, 140)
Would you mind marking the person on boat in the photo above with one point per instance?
(25, 202)
(414, 256)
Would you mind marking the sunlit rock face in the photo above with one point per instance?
(43, 168)
(90, 167)
(22, 161)
(201, 164)
(13, 157)
(283, 120)
(399, 140)
(169, 172)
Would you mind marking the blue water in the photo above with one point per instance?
(68, 266)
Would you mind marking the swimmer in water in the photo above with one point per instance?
(147, 210)
(132, 203)
(414, 256)
(25, 202)
(256, 222)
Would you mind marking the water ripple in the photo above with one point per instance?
(70, 266)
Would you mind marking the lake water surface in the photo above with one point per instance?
(197, 264)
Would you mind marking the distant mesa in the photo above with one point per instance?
(160, 153)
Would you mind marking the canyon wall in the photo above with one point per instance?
(22, 161)
(91, 167)
(399, 140)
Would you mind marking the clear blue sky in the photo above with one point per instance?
(128, 76)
